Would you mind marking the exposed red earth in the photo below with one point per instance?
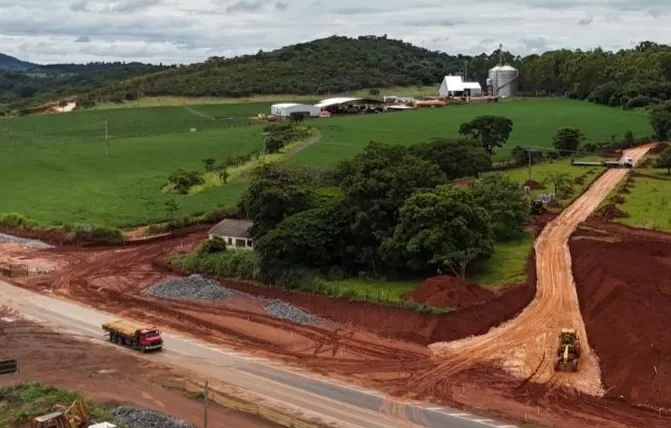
(502, 368)
(107, 377)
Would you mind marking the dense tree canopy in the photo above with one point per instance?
(505, 202)
(434, 226)
(568, 140)
(664, 160)
(491, 132)
(276, 191)
(456, 158)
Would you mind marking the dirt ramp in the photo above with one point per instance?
(625, 299)
(448, 292)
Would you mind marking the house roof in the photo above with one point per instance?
(284, 105)
(233, 228)
(456, 84)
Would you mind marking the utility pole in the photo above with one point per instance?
(205, 403)
(107, 142)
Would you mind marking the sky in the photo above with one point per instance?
(186, 31)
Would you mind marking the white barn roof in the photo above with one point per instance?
(456, 84)
(284, 105)
(335, 101)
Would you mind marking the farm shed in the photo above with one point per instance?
(454, 86)
(234, 232)
(348, 105)
(285, 110)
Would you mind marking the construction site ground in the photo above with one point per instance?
(99, 375)
(496, 354)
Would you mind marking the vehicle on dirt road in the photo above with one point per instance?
(568, 351)
(134, 336)
(624, 162)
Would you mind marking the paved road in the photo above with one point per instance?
(348, 405)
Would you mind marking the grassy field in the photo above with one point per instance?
(535, 122)
(57, 169)
(649, 203)
(178, 101)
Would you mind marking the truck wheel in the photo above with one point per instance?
(112, 338)
(119, 340)
(143, 349)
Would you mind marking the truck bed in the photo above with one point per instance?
(126, 328)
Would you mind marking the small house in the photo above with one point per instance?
(235, 232)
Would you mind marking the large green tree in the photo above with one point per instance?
(568, 140)
(277, 190)
(491, 131)
(437, 228)
(456, 158)
(660, 120)
(664, 160)
(376, 183)
(505, 202)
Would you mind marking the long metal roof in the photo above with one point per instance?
(335, 101)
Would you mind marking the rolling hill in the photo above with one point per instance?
(10, 63)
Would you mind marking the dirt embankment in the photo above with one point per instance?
(623, 279)
(448, 292)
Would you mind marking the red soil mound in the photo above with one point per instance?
(659, 148)
(448, 292)
(625, 295)
(534, 185)
(461, 182)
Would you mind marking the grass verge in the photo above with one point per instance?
(647, 205)
(28, 400)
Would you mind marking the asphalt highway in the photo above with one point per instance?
(348, 406)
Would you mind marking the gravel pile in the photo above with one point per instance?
(283, 310)
(190, 287)
(31, 243)
(133, 417)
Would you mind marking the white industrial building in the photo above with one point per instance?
(292, 109)
(454, 86)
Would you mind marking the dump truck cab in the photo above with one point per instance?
(150, 338)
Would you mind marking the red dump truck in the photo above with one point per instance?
(133, 335)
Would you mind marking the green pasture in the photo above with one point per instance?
(55, 168)
(649, 203)
(535, 122)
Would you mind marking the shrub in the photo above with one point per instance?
(17, 221)
(97, 234)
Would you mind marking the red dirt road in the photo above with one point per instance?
(105, 375)
(525, 346)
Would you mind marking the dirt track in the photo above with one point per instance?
(525, 346)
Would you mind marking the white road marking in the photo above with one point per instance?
(457, 415)
(433, 409)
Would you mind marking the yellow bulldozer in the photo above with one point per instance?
(75, 416)
(568, 351)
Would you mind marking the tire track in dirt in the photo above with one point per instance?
(525, 346)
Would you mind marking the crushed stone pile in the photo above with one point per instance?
(30, 243)
(133, 417)
(190, 287)
(283, 310)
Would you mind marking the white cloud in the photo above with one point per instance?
(182, 31)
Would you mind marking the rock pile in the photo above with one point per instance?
(190, 287)
(283, 310)
(132, 417)
(31, 243)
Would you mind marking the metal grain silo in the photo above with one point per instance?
(504, 81)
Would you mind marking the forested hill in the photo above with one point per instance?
(331, 65)
(10, 63)
(32, 84)
(630, 78)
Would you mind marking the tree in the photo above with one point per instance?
(568, 140)
(224, 175)
(660, 120)
(456, 158)
(183, 180)
(491, 131)
(277, 190)
(505, 202)
(376, 183)
(560, 181)
(210, 164)
(438, 228)
(521, 156)
(171, 207)
(458, 261)
(664, 160)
